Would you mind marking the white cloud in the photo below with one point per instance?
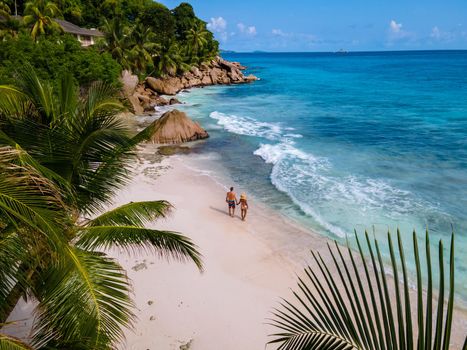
(396, 32)
(395, 27)
(217, 24)
(435, 33)
(278, 32)
(303, 37)
(440, 35)
(247, 30)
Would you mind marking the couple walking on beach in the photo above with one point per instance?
(231, 200)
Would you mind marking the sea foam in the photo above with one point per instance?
(247, 126)
(313, 184)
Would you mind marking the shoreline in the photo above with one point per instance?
(249, 266)
(152, 92)
(245, 274)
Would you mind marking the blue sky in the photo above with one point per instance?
(329, 25)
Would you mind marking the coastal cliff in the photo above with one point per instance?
(143, 97)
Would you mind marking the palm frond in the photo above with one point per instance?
(164, 243)
(100, 102)
(133, 214)
(343, 307)
(13, 103)
(29, 197)
(85, 299)
(39, 93)
(12, 253)
(68, 98)
(11, 343)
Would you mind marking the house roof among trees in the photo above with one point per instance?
(74, 29)
(67, 27)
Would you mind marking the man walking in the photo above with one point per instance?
(231, 199)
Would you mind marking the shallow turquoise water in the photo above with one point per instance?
(361, 141)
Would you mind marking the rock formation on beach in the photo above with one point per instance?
(175, 127)
(144, 97)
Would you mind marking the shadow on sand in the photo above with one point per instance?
(225, 212)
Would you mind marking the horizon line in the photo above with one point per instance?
(343, 52)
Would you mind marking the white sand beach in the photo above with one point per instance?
(248, 266)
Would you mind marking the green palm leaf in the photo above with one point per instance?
(340, 307)
(27, 196)
(84, 298)
(11, 343)
(164, 243)
(66, 157)
(133, 214)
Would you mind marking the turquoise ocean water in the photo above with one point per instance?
(339, 142)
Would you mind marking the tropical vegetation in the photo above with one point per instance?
(140, 35)
(353, 304)
(54, 58)
(63, 155)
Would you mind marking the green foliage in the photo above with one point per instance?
(355, 305)
(53, 57)
(159, 18)
(184, 19)
(141, 35)
(11, 343)
(5, 10)
(39, 16)
(70, 9)
(63, 154)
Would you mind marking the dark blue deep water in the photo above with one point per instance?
(340, 142)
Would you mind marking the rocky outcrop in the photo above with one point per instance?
(168, 86)
(174, 101)
(145, 97)
(175, 127)
(136, 106)
(129, 82)
(218, 71)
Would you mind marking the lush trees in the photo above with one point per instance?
(196, 39)
(185, 18)
(9, 25)
(5, 10)
(115, 40)
(39, 16)
(70, 9)
(141, 35)
(159, 18)
(170, 60)
(53, 57)
(143, 47)
(63, 155)
(352, 304)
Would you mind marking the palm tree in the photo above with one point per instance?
(170, 60)
(197, 39)
(39, 15)
(9, 26)
(4, 10)
(28, 200)
(353, 305)
(142, 48)
(116, 40)
(77, 143)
